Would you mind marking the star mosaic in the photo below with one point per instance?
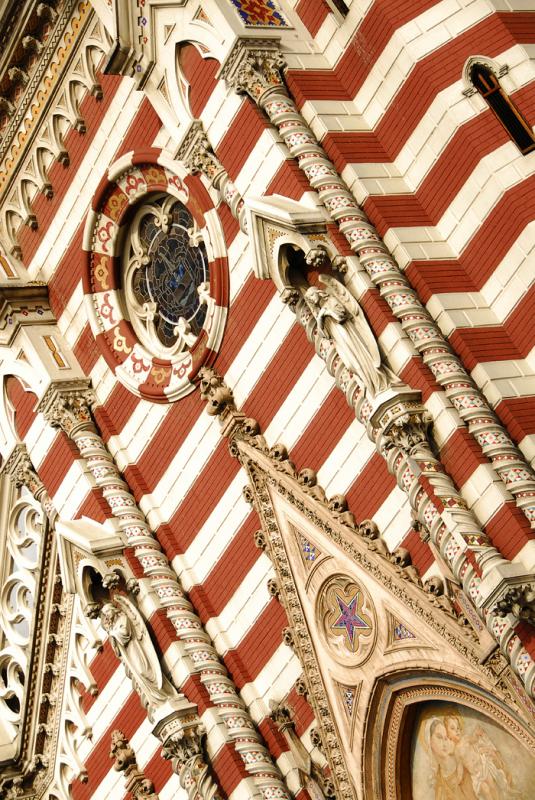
(349, 620)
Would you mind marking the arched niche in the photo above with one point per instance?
(18, 400)
(197, 75)
(431, 736)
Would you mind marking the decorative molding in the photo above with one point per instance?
(198, 156)
(55, 109)
(182, 740)
(520, 602)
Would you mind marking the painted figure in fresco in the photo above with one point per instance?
(448, 782)
(340, 318)
(475, 754)
(466, 765)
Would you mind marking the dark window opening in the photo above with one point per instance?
(340, 7)
(488, 86)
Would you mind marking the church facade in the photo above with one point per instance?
(267, 421)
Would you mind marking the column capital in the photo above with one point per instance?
(181, 734)
(67, 405)
(254, 67)
(198, 156)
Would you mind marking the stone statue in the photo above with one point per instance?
(131, 643)
(340, 318)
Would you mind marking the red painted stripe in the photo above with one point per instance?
(429, 76)
(312, 13)
(85, 350)
(113, 415)
(98, 763)
(200, 73)
(59, 458)
(518, 416)
(512, 340)
(369, 40)
(274, 739)
(94, 506)
(102, 668)
(461, 455)
(303, 713)
(257, 646)
(509, 530)
(24, 402)
(371, 488)
(526, 634)
(211, 597)
(421, 554)
(417, 375)
(489, 246)
(158, 769)
(473, 141)
(142, 131)
(229, 769)
(243, 133)
(289, 181)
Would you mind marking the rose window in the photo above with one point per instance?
(166, 276)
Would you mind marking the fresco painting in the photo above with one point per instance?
(460, 754)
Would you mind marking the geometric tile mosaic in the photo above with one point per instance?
(262, 13)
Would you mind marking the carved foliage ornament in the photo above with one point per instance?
(157, 276)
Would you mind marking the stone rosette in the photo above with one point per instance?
(131, 180)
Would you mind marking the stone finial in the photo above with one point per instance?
(520, 602)
(215, 392)
(121, 751)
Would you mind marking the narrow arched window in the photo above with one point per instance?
(488, 86)
(340, 6)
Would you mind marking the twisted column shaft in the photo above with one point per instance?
(70, 411)
(257, 72)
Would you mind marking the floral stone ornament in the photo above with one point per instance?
(156, 276)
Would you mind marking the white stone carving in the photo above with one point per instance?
(340, 318)
(19, 572)
(131, 643)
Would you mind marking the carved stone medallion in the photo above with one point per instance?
(347, 619)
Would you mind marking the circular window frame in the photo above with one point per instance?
(132, 180)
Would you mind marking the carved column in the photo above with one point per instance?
(68, 407)
(400, 434)
(20, 470)
(136, 783)
(196, 153)
(182, 740)
(256, 71)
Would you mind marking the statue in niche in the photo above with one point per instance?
(132, 644)
(340, 318)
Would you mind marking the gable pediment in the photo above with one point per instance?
(356, 619)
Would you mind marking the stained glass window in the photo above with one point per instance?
(170, 266)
